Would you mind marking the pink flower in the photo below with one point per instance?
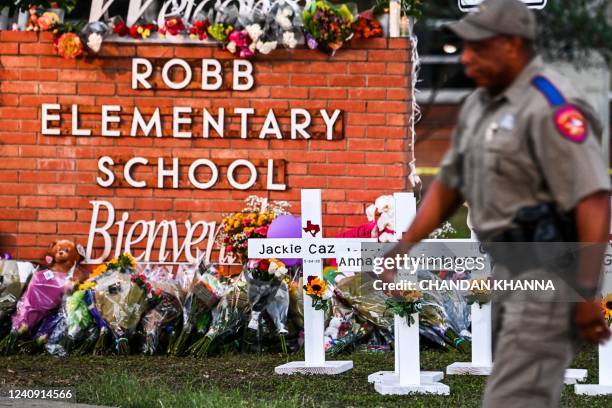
(262, 230)
(240, 38)
(246, 52)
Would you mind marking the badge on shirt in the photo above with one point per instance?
(570, 122)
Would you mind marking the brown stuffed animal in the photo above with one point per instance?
(32, 19)
(64, 255)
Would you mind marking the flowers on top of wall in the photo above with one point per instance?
(244, 28)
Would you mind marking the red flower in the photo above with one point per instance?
(264, 264)
(134, 31)
(121, 29)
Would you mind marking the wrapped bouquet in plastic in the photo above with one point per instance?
(228, 317)
(203, 291)
(443, 315)
(120, 300)
(14, 277)
(166, 311)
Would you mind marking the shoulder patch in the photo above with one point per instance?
(550, 92)
(572, 125)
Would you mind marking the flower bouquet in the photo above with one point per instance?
(479, 294)
(54, 343)
(268, 291)
(165, 312)
(405, 304)
(14, 277)
(43, 294)
(203, 291)
(42, 334)
(367, 26)
(173, 29)
(327, 26)
(251, 222)
(227, 319)
(319, 292)
(120, 299)
(223, 18)
(199, 30)
(93, 35)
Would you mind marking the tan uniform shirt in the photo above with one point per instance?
(536, 142)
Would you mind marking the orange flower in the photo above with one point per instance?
(69, 46)
(316, 287)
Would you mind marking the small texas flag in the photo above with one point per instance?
(314, 229)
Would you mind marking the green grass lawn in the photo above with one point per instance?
(247, 380)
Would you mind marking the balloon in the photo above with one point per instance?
(286, 226)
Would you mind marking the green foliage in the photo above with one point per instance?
(410, 8)
(570, 29)
(567, 29)
(404, 308)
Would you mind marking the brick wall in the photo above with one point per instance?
(47, 182)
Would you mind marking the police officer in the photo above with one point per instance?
(526, 141)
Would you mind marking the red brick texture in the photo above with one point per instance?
(47, 182)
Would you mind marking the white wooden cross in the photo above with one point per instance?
(407, 376)
(482, 347)
(312, 248)
(604, 387)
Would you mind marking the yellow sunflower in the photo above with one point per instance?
(131, 258)
(316, 287)
(98, 271)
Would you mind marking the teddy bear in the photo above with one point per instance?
(64, 256)
(32, 19)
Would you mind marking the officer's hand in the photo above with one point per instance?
(591, 324)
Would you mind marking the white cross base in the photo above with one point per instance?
(482, 363)
(426, 377)
(605, 374)
(409, 378)
(326, 368)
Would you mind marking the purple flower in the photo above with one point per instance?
(312, 43)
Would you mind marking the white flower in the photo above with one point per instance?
(254, 31)
(371, 212)
(252, 46)
(277, 269)
(289, 39)
(282, 18)
(94, 42)
(231, 47)
(327, 295)
(266, 47)
(384, 204)
(385, 221)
